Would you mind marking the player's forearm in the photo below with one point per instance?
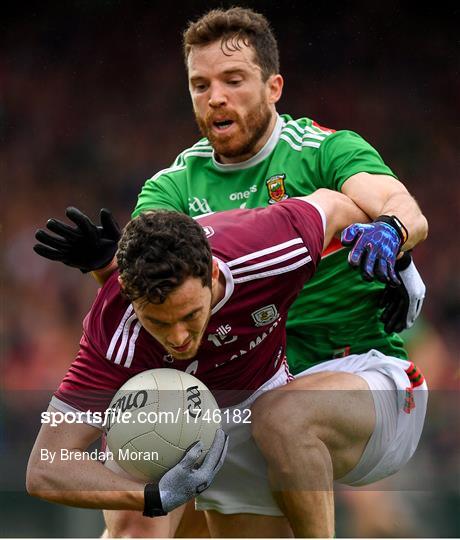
(86, 484)
(406, 209)
(103, 274)
(384, 195)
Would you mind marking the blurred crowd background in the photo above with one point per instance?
(94, 100)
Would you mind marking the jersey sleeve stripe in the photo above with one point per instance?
(300, 139)
(317, 130)
(275, 271)
(295, 125)
(166, 171)
(124, 341)
(270, 262)
(314, 136)
(266, 251)
(118, 332)
(198, 153)
(200, 149)
(132, 344)
(304, 134)
(299, 147)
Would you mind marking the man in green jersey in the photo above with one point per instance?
(251, 156)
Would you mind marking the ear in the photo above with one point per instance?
(215, 270)
(120, 282)
(275, 85)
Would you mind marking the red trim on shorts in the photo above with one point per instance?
(415, 375)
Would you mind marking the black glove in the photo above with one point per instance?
(402, 303)
(87, 246)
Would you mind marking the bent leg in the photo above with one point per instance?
(311, 431)
(247, 526)
(131, 524)
(193, 523)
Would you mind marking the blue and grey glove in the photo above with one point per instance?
(187, 479)
(375, 247)
(402, 304)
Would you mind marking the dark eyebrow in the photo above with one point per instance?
(233, 71)
(156, 321)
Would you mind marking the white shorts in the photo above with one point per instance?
(241, 485)
(400, 397)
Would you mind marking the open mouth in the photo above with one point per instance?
(222, 125)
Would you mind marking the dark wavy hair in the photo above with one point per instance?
(158, 251)
(234, 27)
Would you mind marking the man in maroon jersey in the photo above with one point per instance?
(219, 315)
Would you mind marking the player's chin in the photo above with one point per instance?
(230, 149)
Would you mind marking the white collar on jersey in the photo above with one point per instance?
(261, 154)
(229, 285)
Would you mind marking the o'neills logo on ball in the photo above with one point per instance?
(276, 188)
(193, 401)
(127, 401)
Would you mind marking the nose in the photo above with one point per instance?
(178, 335)
(217, 96)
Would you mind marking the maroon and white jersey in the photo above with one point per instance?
(266, 256)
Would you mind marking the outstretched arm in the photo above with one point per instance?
(74, 482)
(57, 474)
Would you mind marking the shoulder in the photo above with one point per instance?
(303, 133)
(111, 317)
(202, 150)
(282, 228)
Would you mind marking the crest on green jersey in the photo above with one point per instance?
(276, 188)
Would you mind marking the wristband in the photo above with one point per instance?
(152, 502)
(397, 225)
(403, 262)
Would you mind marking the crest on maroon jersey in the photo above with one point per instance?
(265, 315)
(276, 188)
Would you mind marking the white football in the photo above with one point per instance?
(155, 416)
